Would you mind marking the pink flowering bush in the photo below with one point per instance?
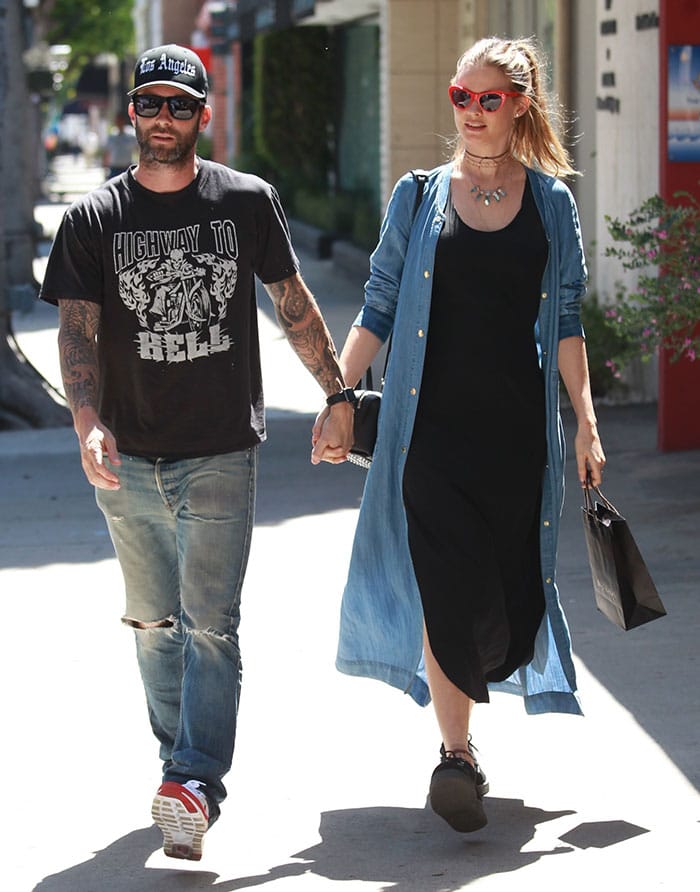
(661, 243)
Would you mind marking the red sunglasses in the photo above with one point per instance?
(489, 100)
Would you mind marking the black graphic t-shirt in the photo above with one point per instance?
(174, 274)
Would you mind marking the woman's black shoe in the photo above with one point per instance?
(456, 791)
(482, 785)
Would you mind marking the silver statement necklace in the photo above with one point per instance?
(487, 195)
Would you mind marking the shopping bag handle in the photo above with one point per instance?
(605, 502)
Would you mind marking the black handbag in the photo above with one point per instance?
(368, 401)
(624, 590)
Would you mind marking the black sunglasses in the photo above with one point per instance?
(180, 107)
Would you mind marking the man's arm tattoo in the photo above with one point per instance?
(301, 320)
(77, 344)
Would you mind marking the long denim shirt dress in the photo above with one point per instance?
(381, 625)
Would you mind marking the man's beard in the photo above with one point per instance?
(176, 153)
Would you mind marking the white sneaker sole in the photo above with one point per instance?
(182, 830)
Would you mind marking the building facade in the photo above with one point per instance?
(398, 58)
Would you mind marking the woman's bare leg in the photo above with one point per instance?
(457, 785)
(453, 708)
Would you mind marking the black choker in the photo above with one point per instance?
(481, 158)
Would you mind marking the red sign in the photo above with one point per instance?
(679, 382)
(204, 53)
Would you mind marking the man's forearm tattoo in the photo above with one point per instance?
(304, 328)
(77, 344)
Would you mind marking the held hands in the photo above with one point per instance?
(590, 458)
(331, 436)
(97, 443)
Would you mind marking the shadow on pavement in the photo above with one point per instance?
(651, 670)
(290, 486)
(49, 512)
(408, 849)
(50, 515)
(412, 849)
(601, 834)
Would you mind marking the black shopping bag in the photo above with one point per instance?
(624, 590)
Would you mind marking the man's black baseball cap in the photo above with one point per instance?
(171, 66)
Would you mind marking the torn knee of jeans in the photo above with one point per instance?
(166, 623)
(214, 633)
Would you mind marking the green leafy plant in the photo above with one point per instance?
(660, 242)
(294, 111)
(91, 28)
(350, 215)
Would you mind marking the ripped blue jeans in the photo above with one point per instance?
(181, 530)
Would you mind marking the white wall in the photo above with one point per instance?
(148, 17)
(583, 83)
(627, 140)
(627, 162)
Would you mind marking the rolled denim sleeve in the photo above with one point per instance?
(378, 323)
(573, 273)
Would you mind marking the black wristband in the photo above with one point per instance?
(346, 395)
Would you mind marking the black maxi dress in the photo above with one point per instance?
(473, 478)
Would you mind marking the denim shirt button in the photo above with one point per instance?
(548, 580)
(426, 274)
(420, 333)
(412, 391)
(546, 523)
(403, 449)
(544, 295)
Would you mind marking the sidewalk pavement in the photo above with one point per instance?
(330, 774)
